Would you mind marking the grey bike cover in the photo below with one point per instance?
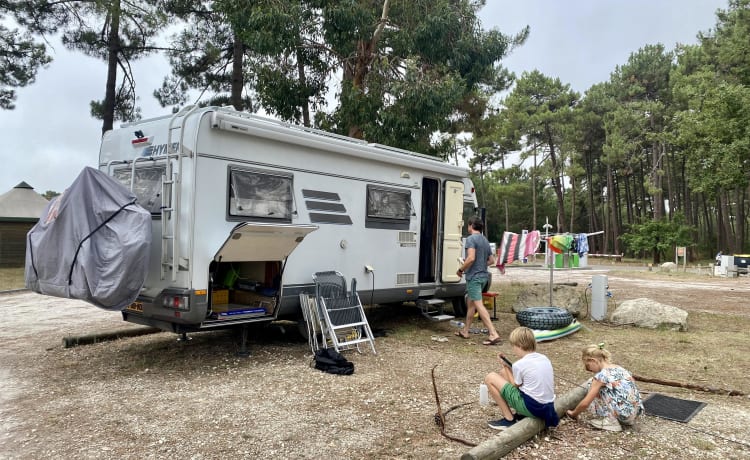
(91, 243)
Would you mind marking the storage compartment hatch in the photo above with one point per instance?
(249, 242)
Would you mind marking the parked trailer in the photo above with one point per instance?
(245, 209)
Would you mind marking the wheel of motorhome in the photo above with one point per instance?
(459, 306)
(544, 318)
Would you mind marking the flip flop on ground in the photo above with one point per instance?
(461, 334)
(495, 341)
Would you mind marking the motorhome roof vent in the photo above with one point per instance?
(407, 239)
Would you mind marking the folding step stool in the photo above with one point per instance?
(344, 318)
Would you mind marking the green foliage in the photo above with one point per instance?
(20, 59)
(116, 31)
(658, 237)
(407, 69)
(49, 194)
(540, 109)
(252, 54)
(507, 196)
(404, 70)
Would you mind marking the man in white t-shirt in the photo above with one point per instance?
(528, 386)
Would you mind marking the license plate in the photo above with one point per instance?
(135, 306)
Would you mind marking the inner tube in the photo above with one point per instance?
(544, 318)
(544, 335)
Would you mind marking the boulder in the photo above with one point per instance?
(563, 296)
(650, 314)
(668, 267)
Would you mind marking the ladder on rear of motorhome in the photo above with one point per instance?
(170, 205)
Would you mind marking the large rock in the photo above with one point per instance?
(650, 314)
(563, 296)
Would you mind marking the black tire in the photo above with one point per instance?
(544, 318)
(459, 306)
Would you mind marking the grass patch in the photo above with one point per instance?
(702, 444)
(12, 278)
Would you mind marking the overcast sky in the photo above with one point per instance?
(50, 136)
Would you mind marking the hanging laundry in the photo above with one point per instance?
(560, 243)
(583, 243)
(517, 247)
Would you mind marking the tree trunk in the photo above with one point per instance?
(692, 386)
(533, 193)
(739, 239)
(557, 185)
(726, 221)
(720, 237)
(507, 217)
(238, 80)
(630, 201)
(656, 181)
(365, 55)
(613, 211)
(113, 53)
(303, 83)
(572, 203)
(674, 202)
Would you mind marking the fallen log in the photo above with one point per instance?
(73, 341)
(690, 386)
(504, 442)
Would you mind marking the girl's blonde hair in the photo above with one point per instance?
(523, 338)
(597, 352)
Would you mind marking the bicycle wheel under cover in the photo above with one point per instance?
(544, 318)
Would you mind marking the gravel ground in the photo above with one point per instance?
(154, 397)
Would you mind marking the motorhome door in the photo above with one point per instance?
(255, 242)
(452, 224)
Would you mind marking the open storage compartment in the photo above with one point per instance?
(245, 289)
(245, 275)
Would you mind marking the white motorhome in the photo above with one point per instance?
(245, 209)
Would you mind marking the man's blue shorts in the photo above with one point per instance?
(474, 287)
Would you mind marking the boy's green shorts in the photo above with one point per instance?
(512, 395)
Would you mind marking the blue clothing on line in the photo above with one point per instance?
(582, 241)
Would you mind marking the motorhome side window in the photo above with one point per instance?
(388, 208)
(259, 195)
(146, 186)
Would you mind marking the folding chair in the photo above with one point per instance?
(344, 317)
(314, 324)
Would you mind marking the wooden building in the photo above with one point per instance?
(20, 209)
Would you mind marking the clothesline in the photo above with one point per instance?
(516, 246)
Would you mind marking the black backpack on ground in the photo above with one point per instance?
(329, 360)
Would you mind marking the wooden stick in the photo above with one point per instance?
(691, 386)
(440, 417)
(75, 340)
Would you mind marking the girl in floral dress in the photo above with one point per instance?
(612, 395)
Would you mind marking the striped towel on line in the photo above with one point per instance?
(517, 247)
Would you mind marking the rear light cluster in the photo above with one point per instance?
(176, 302)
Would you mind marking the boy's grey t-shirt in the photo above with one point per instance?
(482, 251)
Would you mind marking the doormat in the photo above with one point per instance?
(679, 410)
